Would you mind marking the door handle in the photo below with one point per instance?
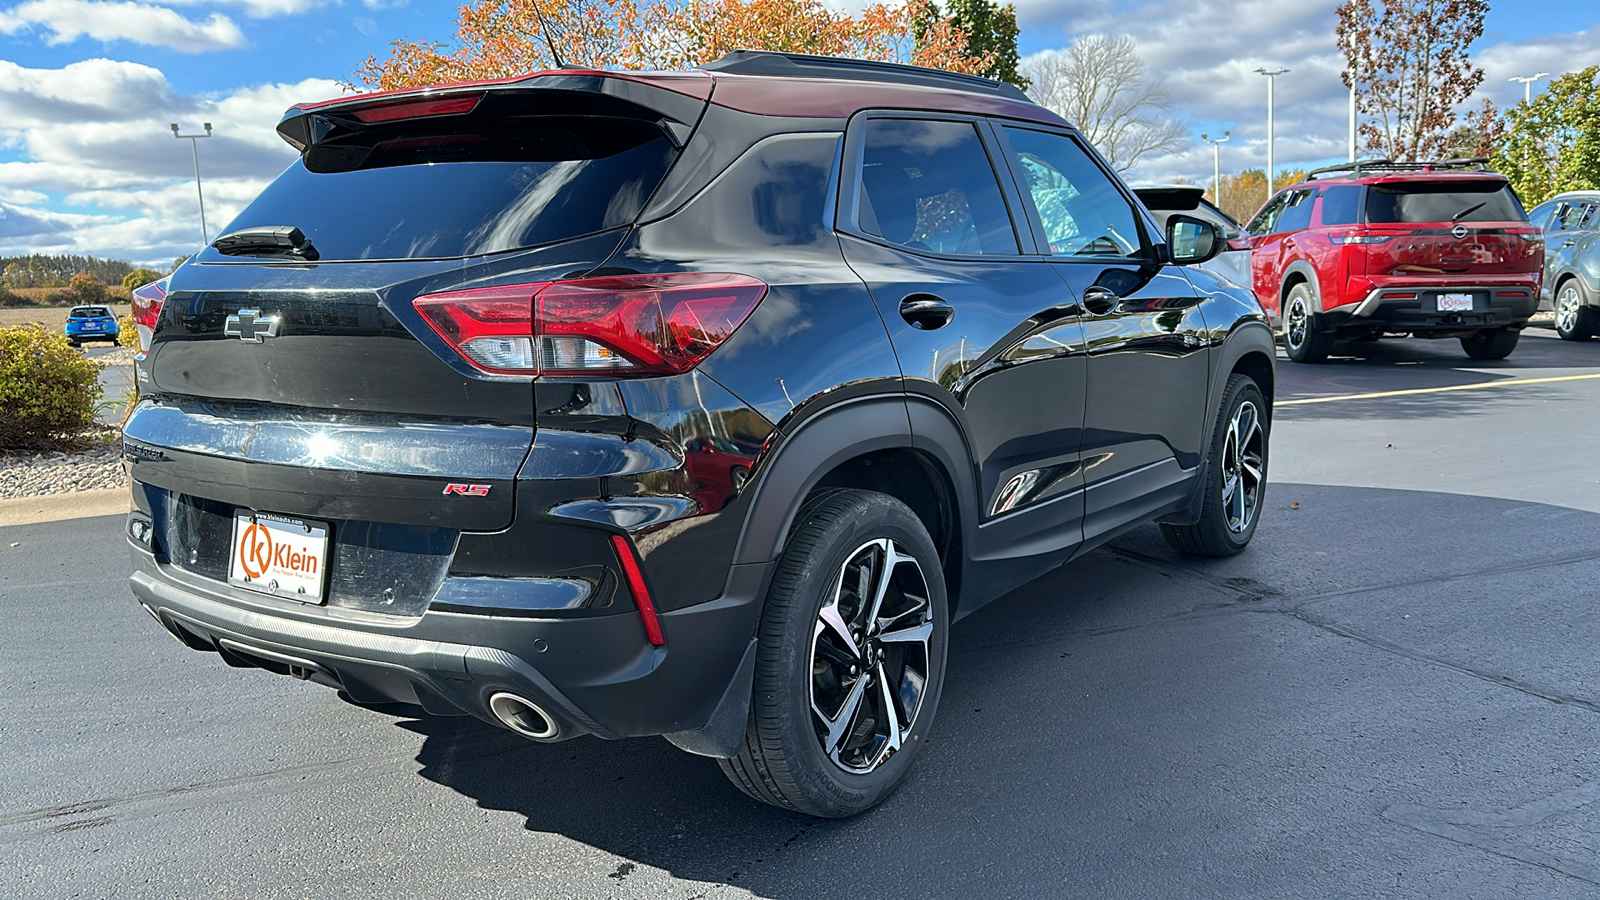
(1100, 300)
(926, 312)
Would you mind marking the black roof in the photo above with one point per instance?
(766, 62)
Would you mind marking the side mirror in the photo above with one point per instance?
(1191, 241)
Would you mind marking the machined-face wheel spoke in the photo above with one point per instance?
(1243, 467)
(870, 656)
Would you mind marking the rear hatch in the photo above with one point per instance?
(288, 371)
(1456, 229)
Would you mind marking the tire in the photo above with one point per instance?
(818, 740)
(1302, 342)
(1574, 320)
(1496, 344)
(1231, 508)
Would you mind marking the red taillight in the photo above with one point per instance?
(1239, 243)
(625, 325)
(417, 109)
(147, 302)
(636, 586)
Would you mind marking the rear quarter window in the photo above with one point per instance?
(1341, 204)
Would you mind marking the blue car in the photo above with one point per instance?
(91, 323)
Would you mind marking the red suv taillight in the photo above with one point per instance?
(147, 302)
(625, 325)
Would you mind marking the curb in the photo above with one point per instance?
(55, 507)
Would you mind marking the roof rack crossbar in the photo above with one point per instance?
(767, 62)
(1381, 164)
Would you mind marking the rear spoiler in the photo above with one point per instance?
(674, 99)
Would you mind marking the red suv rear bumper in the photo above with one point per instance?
(1416, 308)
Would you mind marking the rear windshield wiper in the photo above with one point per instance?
(1468, 211)
(267, 240)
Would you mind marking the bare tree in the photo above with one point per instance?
(1100, 84)
(1408, 60)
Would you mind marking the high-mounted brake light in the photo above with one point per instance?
(636, 586)
(628, 325)
(147, 302)
(417, 109)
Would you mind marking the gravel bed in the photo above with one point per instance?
(61, 473)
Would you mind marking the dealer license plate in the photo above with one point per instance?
(1455, 302)
(279, 555)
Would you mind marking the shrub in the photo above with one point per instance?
(9, 297)
(138, 278)
(127, 335)
(59, 298)
(85, 289)
(48, 391)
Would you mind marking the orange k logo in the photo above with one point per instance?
(255, 550)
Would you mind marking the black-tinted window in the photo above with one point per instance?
(463, 187)
(1573, 216)
(1268, 216)
(1083, 212)
(1296, 214)
(930, 186)
(1341, 204)
(1455, 201)
(88, 312)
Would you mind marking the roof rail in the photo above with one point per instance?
(1381, 165)
(766, 62)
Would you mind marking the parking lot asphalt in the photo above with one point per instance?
(1393, 692)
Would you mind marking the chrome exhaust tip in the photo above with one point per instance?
(523, 716)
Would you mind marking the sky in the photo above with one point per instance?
(89, 88)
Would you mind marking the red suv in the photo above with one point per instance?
(1433, 250)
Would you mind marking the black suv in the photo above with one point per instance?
(694, 404)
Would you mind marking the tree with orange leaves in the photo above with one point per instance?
(501, 38)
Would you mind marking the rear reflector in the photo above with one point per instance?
(1399, 296)
(636, 586)
(628, 325)
(417, 109)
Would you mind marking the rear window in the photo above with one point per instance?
(1423, 201)
(89, 312)
(463, 187)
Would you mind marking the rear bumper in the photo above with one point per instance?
(1415, 310)
(593, 675)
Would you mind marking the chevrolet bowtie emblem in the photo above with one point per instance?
(251, 325)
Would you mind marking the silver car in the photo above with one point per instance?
(1164, 200)
(1571, 225)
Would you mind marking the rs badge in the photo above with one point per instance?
(467, 490)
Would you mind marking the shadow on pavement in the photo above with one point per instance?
(1139, 720)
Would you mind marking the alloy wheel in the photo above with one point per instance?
(871, 656)
(1243, 465)
(1568, 306)
(1295, 323)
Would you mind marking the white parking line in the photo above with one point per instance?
(1512, 382)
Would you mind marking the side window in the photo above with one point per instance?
(1296, 214)
(1588, 220)
(1268, 216)
(1341, 205)
(1082, 211)
(929, 185)
(1541, 215)
(1572, 216)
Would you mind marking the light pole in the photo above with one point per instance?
(1216, 164)
(1272, 78)
(1527, 85)
(205, 234)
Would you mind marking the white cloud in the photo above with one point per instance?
(259, 9)
(110, 20)
(93, 166)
